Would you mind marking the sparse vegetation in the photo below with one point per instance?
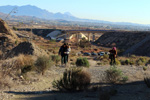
(73, 80)
(115, 75)
(55, 58)
(118, 62)
(141, 61)
(144, 68)
(42, 64)
(52, 41)
(84, 43)
(82, 62)
(14, 28)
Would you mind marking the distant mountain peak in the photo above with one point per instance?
(68, 13)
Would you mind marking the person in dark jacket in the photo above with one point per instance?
(112, 56)
(61, 52)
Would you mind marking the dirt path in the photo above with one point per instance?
(42, 89)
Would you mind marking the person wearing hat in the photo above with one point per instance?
(112, 56)
(61, 52)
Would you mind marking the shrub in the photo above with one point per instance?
(73, 80)
(42, 63)
(118, 62)
(114, 75)
(84, 43)
(99, 63)
(28, 64)
(127, 61)
(52, 41)
(14, 28)
(124, 79)
(105, 56)
(82, 62)
(141, 61)
(17, 63)
(105, 62)
(14, 66)
(16, 42)
(144, 68)
(132, 62)
(133, 56)
(55, 58)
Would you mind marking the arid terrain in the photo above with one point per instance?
(22, 77)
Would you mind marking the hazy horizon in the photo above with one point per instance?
(135, 11)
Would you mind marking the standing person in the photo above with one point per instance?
(61, 52)
(112, 56)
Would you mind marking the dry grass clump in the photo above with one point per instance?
(42, 64)
(55, 58)
(16, 63)
(73, 80)
(10, 68)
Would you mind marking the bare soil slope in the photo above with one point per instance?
(122, 39)
(7, 37)
(127, 40)
(28, 48)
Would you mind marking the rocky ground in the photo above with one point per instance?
(40, 88)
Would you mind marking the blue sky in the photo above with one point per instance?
(136, 11)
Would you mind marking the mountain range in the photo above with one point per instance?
(35, 12)
(29, 10)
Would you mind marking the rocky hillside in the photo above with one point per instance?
(27, 48)
(7, 37)
(130, 42)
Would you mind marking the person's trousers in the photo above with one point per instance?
(113, 60)
(64, 59)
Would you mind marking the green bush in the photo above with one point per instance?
(124, 79)
(14, 28)
(55, 58)
(127, 61)
(114, 75)
(42, 63)
(144, 68)
(82, 62)
(73, 80)
(133, 56)
(141, 61)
